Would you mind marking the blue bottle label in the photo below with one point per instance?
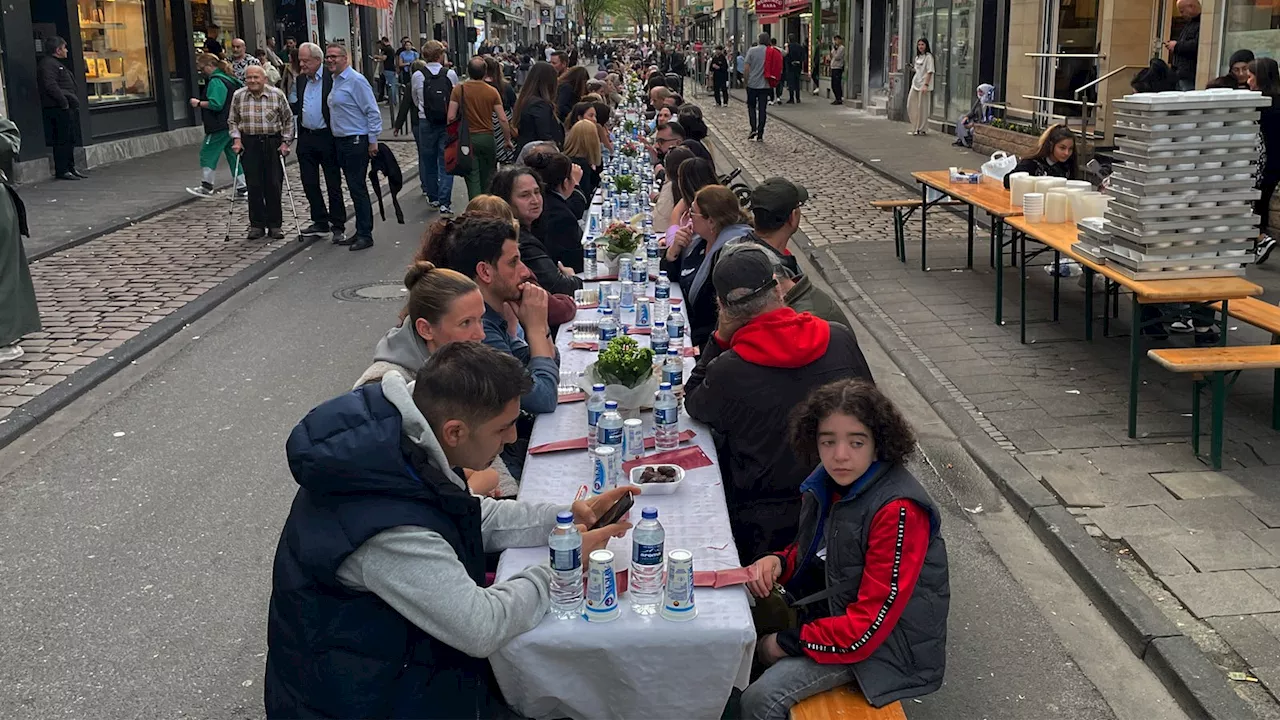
(659, 346)
(593, 417)
(666, 416)
(566, 559)
(607, 334)
(610, 436)
(675, 377)
(646, 554)
(662, 293)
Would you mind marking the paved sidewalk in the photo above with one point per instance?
(97, 296)
(1205, 546)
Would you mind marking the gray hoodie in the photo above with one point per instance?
(417, 572)
(401, 349)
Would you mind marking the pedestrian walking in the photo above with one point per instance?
(480, 102)
(315, 146)
(262, 126)
(241, 59)
(836, 63)
(273, 55)
(61, 107)
(19, 314)
(719, 70)
(431, 89)
(273, 74)
(921, 88)
(759, 91)
(215, 109)
(797, 53)
(740, 67)
(356, 124)
(775, 81)
(386, 57)
(404, 61)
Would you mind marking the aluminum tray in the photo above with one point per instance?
(1088, 251)
(1241, 220)
(1138, 238)
(1161, 201)
(1184, 250)
(1131, 163)
(1145, 149)
(1151, 263)
(1139, 126)
(1172, 189)
(1225, 103)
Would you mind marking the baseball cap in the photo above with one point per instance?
(745, 268)
(778, 196)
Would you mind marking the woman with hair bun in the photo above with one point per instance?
(444, 307)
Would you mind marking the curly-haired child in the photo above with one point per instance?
(868, 563)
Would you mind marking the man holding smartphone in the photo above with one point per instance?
(378, 604)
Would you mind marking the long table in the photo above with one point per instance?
(634, 667)
(1061, 238)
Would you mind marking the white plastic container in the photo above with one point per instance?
(657, 488)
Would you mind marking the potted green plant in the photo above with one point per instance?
(626, 369)
(620, 239)
(625, 183)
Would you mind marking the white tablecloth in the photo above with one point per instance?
(645, 668)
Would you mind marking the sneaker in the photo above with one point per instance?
(360, 242)
(837, 102)
(11, 352)
(1265, 245)
(241, 195)
(315, 229)
(751, 135)
(256, 233)
(276, 233)
(1206, 337)
(340, 237)
(1182, 325)
(446, 210)
(203, 191)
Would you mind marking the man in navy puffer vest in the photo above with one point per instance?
(377, 606)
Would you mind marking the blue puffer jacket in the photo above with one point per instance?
(335, 652)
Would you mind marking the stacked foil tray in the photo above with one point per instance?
(1183, 189)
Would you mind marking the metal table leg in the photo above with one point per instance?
(999, 231)
(1022, 285)
(1057, 256)
(1135, 350)
(924, 210)
(1219, 409)
(970, 262)
(1088, 304)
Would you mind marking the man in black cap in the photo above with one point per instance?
(776, 204)
(762, 360)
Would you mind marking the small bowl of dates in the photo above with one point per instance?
(657, 479)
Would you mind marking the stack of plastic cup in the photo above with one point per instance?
(1033, 206)
(1020, 183)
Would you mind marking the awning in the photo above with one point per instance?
(379, 4)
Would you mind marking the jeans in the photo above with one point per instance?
(484, 161)
(353, 158)
(788, 682)
(316, 152)
(837, 84)
(264, 175)
(720, 85)
(393, 88)
(437, 184)
(793, 85)
(758, 108)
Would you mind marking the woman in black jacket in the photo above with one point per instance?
(572, 87)
(1264, 76)
(582, 145)
(557, 227)
(519, 186)
(1055, 156)
(535, 110)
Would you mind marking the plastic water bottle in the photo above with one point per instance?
(595, 407)
(609, 427)
(566, 568)
(647, 554)
(608, 326)
(666, 419)
(658, 338)
(673, 369)
(589, 255)
(677, 329)
(662, 296)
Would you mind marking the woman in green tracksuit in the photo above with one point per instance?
(214, 109)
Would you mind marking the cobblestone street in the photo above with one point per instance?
(1203, 545)
(97, 296)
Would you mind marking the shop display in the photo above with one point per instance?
(1182, 194)
(113, 37)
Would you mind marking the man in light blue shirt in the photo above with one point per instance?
(356, 123)
(315, 146)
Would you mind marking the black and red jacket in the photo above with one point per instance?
(884, 584)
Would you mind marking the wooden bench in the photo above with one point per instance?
(902, 210)
(1263, 315)
(1211, 366)
(844, 703)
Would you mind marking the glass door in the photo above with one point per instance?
(960, 60)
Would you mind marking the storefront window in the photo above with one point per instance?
(206, 15)
(1251, 25)
(118, 64)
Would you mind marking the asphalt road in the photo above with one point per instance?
(137, 527)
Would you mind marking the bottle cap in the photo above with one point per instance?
(607, 311)
(564, 517)
(664, 386)
(611, 404)
(659, 324)
(673, 352)
(649, 513)
(597, 387)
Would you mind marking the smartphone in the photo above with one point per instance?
(615, 513)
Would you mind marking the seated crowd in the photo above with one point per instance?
(381, 604)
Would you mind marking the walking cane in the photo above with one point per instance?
(292, 208)
(231, 206)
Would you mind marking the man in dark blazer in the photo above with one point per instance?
(61, 106)
(310, 100)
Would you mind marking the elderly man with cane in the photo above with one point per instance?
(261, 125)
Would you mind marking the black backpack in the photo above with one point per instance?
(435, 95)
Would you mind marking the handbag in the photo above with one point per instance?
(457, 150)
(1000, 164)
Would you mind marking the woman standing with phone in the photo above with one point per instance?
(921, 88)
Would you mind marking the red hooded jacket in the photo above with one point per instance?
(772, 65)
